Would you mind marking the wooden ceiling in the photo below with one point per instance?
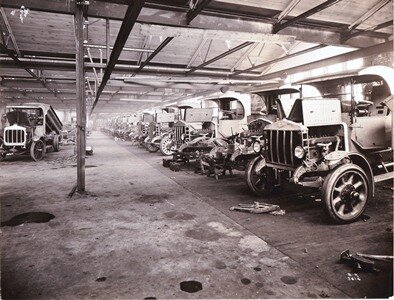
(227, 45)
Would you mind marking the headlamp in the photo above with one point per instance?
(299, 152)
(256, 147)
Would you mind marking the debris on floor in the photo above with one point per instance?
(357, 262)
(388, 258)
(260, 208)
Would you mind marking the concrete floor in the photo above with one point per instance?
(142, 229)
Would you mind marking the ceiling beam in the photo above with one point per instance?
(307, 31)
(190, 16)
(213, 34)
(10, 33)
(129, 20)
(220, 56)
(152, 55)
(368, 14)
(360, 53)
(292, 55)
(22, 65)
(278, 27)
(349, 35)
(192, 13)
(287, 10)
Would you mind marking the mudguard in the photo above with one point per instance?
(335, 158)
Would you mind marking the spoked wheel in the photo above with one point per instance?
(166, 146)
(259, 178)
(151, 148)
(56, 143)
(346, 191)
(37, 150)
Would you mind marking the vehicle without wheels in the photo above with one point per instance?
(31, 129)
(342, 146)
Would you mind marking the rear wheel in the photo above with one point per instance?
(259, 178)
(345, 192)
(56, 143)
(166, 146)
(37, 150)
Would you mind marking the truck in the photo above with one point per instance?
(221, 117)
(31, 128)
(340, 143)
(236, 153)
(161, 126)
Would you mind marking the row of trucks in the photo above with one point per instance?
(331, 133)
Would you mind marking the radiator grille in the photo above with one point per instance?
(152, 130)
(179, 130)
(15, 137)
(280, 145)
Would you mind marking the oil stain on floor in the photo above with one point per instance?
(29, 217)
(191, 286)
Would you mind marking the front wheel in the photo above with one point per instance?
(259, 178)
(37, 150)
(3, 154)
(345, 193)
(166, 146)
(151, 147)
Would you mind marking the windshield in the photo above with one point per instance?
(25, 116)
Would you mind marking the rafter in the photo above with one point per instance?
(279, 59)
(130, 18)
(368, 14)
(287, 10)
(308, 13)
(10, 33)
(220, 56)
(349, 35)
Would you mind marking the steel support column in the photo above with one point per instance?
(81, 101)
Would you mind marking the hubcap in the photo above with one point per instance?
(349, 195)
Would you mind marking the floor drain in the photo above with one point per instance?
(30, 217)
(191, 286)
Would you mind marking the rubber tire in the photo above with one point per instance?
(56, 143)
(151, 148)
(3, 155)
(33, 145)
(163, 149)
(166, 163)
(328, 186)
(248, 172)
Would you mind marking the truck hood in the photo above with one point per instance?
(286, 125)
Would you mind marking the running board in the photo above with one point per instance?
(383, 177)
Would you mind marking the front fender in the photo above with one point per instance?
(336, 158)
(156, 139)
(36, 138)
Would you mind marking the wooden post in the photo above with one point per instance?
(81, 101)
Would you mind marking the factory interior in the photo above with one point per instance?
(196, 149)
